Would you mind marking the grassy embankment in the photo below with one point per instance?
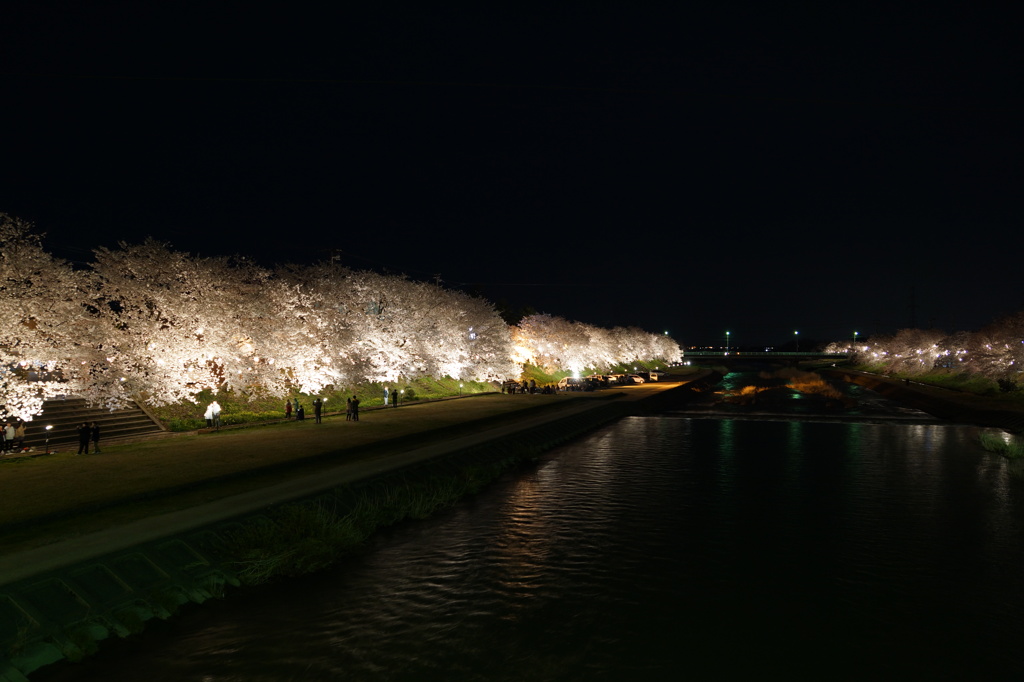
(302, 537)
(973, 384)
(61, 495)
(973, 392)
(245, 409)
(242, 409)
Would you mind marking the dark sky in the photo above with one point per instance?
(762, 171)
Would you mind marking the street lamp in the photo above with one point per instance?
(727, 343)
(855, 338)
(796, 335)
(48, 427)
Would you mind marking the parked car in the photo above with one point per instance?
(634, 379)
(569, 383)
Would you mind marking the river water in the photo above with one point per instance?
(679, 546)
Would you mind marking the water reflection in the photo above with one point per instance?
(658, 548)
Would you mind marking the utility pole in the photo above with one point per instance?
(913, 307)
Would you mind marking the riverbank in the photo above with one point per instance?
(69, 579)
(944, 403)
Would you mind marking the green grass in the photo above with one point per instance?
(237, 408)
(74, 494)
(1010, 448)
(304, 537)
(975, 384)
(968, 383)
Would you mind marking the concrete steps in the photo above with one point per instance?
(67, 413)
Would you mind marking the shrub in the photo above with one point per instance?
(1007, 447)
(186, 424)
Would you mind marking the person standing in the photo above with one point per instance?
(318, 407)
(95, 438)
(4, 445)
(215, 409)
(84, 432)
(348, 410)
(287, 409)
(19, 436)
(386, 393)
(355, 408)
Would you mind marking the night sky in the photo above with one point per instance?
(825, 169)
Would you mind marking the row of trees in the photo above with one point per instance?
(996, 351)
(558, 344)
(147, 322)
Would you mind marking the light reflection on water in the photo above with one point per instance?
(657, 548)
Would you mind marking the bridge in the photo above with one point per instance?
(757, 356)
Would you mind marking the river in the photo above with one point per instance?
(713, 543)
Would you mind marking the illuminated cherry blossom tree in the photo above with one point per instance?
(47, 336)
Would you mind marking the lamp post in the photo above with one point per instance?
(48, 427)
(460, 388)
(855, 338)
(727, 343)
(796, 335)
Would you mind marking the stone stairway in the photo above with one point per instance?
(67, 413)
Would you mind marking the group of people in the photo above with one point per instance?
(88, 431)
(517, 387)
(352, 409)
(300, 411)
(12, 437)
(293, 406)
(212, 415)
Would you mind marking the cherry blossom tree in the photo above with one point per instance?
(185, 324)
(997, 349)
(47, 339)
